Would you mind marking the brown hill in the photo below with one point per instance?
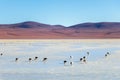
(35, 30)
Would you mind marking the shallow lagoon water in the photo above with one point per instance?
(97, 66)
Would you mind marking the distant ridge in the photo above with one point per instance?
(97, 25)
(35, 30)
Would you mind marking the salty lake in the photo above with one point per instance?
(97, 66)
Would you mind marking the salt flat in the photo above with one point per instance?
(97, 66)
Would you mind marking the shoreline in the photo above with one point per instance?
(56, 40)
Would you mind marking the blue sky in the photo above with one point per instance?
(65, 12)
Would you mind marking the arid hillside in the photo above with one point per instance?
(35, 30)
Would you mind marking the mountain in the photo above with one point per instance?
(35, 30)
(98, 30)
(101, 25)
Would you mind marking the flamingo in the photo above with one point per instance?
(84, 57)
(108, 53)
(70, 57)
(105, 55)
(1, 54)
(84, 60)
(71, 63)
(30, 59)
(88, 53)
(65, 62)
(16, 59)
(81, 59)
(36, 58)
(44, 59)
